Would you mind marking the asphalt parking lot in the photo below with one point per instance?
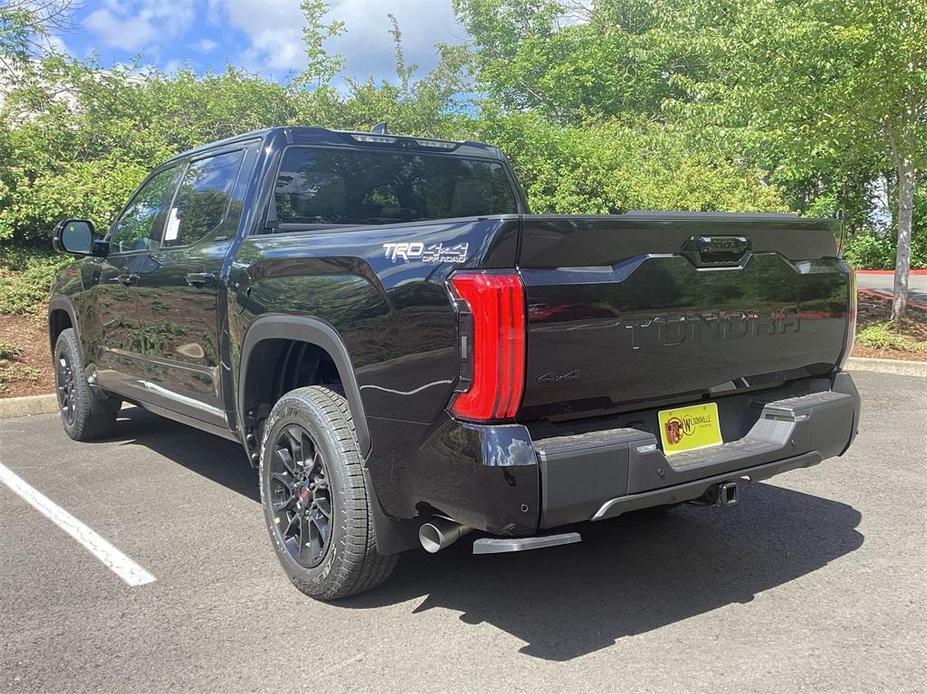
(815, 582)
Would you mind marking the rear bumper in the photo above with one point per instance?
(693, 490)
(606, 473)
(512, 480)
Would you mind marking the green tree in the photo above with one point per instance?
(321, 67)
(81, 138)
(25, 31)
(568, 61)
(826, 84)
(607, 166)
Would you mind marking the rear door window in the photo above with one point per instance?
(318, 186)
(203, 198)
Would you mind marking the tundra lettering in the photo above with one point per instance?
(713, 327)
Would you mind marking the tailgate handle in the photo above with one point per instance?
(716, 251)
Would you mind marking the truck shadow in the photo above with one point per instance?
(217, 459)
(630, 575)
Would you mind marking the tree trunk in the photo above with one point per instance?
(905, 171)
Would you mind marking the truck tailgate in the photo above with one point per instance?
(642, 308)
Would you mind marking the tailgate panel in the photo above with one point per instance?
(655, 326)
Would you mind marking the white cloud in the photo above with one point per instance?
(56, 44)
(368, 46)
(172, 66)
(205, 45)
(274, 28)
(135, 25)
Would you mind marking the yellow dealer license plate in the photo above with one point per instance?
(688, 428)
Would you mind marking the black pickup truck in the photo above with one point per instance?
(409, 355)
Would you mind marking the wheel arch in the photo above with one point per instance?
(312, 331)
(61, 316)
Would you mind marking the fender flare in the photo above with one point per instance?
(61, 303)
(316, 332)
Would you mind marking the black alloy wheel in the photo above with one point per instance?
(65, 382)
(301, 496)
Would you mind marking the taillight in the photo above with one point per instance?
(492, 344)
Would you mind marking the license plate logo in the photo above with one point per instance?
(688, 428)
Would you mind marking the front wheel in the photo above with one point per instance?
(85, 416)
(315, 500)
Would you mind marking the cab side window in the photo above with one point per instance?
(203, 199)
(139, 226)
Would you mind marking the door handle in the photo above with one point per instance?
(201, 279)
(126, 280)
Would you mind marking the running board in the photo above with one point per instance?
(498, 545)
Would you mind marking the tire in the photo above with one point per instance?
(85, 416)
(314, 425)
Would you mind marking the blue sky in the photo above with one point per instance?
(260, 35)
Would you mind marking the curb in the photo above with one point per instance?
(28, 405)
(899, 367)
(889, 272)
(887, 296)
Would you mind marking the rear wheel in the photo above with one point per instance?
(85, 416)
(315, 500)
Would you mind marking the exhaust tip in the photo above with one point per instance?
(430, 537)
(440, 533)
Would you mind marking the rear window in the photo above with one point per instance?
(202, 199)
(335, 186)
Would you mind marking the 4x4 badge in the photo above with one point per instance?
(551, 377)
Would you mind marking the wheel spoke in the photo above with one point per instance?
(284, 479)
(291, 521)
(304, 540)
(295, 435)
(313, 464)
(286, 459)
(64, 381)
(324, 506)
(318, 534)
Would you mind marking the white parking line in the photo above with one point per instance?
(118, 563)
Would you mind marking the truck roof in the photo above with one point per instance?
(311, 135)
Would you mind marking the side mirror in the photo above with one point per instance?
(78, 237)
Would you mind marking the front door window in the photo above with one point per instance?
(139, 226)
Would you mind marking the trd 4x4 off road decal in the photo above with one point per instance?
(433, 253)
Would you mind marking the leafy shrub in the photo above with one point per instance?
(24, 286)
(604, 167)
(94, 190)
(871, 250)
(882, 336)
(9, 351)
(11, 371)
